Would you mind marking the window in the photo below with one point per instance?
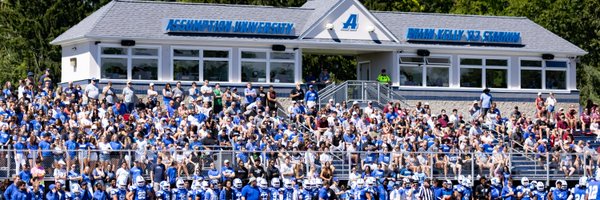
(483, 73)
(544, 74)
(266, 66)
(139, 63)
(420, 71)
(214, 64)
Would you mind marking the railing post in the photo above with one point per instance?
(378, 93)
(583, 166)
(7, 156)
(472, 166)
(431, 165)
(547, 168)
(349, 155)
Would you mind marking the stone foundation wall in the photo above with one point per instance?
(505, 107)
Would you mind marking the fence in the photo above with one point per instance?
(541, 167)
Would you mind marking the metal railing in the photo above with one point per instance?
(361, 91)
(450, 165)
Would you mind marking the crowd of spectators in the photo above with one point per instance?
(88, 135)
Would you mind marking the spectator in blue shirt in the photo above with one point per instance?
(485, 100)
(12, 188)
(251, 191)
(25, 174)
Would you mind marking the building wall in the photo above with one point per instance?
(85, 63)
(505, 101)
(379, 61)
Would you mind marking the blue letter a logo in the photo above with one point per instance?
(351, 23)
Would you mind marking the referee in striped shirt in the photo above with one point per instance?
(426, 192)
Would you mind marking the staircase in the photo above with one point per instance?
(361, 92)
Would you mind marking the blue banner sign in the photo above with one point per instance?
(464, 36)
(229, 27)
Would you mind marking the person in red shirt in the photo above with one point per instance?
(539, 102)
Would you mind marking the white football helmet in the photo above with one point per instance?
(307, 184)
(164, 185)
(496, 181)
(540, 186)
(205, 185)
(360, 183)
(287, 183)
(263, 183)
(237, 183)
(275, 183)
(583, 181)
(524, 181)
(318, 183)
(140, 181)
(180, 184)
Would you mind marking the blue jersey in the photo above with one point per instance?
(141, 193)
(164, 195)
(525, 191)
(288, 194)
(579, 193)
(592, 190)
(196, 194)
(237, 194)
(121, 194)
(305, 195)
(181, 193)
(264, 194)
(465, 192)
(495, 192)
(36, 195)
(559, 194)
(541, 195)
(274, 192)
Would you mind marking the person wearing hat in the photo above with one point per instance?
(251, 191)
(91, 90)
(383, 78)
(109, 94)
(311, 97)
(539, 102)
(485, 101)
(227, 171)
(100, 193)
(129, 97)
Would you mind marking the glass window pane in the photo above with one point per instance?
(531, 79)
(282, 56)
(144, 69)
(114, 51)
(561, 64)
(145, 52)
(531, 63)
(114, 68)
(496, 62)
(438, 61)
(254, 72)
(186, 53)
(470, 61)
(556, 80)
(496, 78)
(186, 70)
(470, 77)
(254, 55)
(216, 70)
(411, 60)
(282, 72)
(438, 77)
(216, 54)
(411, 76)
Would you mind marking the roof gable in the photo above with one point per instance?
(348, 20)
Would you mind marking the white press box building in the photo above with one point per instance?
(428, 56)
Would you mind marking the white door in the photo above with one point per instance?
(364, 70)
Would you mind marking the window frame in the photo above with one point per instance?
(543, 70)
(200, 58)
(484, 68)
(129, 56)
(424, 66)
(268, 62)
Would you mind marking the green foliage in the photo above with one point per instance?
(27, 27)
